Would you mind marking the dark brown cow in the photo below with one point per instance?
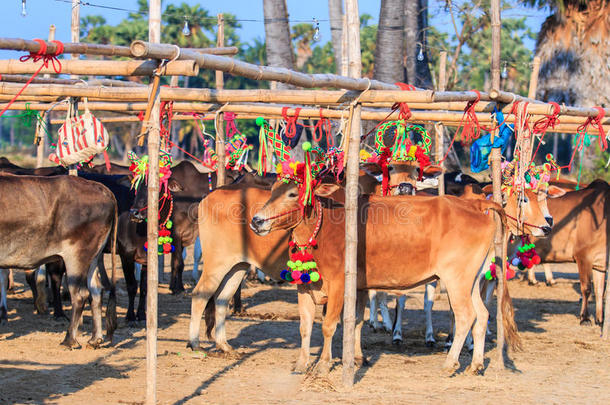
(65, 217)
(580, 235)
(403, 242)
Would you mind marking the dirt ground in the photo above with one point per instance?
(562, 362)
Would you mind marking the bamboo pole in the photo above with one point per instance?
(75, 38)
(18, 44)
(41, 125)
(534, 78)
(351, 199)
(344, 60)
(154, 35)
(439, 130)
(102, 67)
(496, 156)
(219, 121)
(142, 49)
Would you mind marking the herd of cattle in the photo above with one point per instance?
(408, 239)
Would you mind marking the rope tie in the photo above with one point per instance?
(291, 122)
(230, 128)
(596, 122)
(36, 57)
(323, 127)
(469, 124)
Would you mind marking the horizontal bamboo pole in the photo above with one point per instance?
(36, 80)
(539, 107)
(142, 49)
(420, 117)
(81, 48)
(102, 67)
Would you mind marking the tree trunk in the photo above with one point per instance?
(388, 50)
(335, 14)
(277, 36)
(415, 26)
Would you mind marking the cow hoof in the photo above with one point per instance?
(141, 317)
(449, 369)
(551, 283)
(41, 309)
(361, 362)
(300, 368)
(95, 343)
(475, 369)
(599, 322)
(61, 317)
(396, 342)
(70, 343)
(178, 291)
(534, 282)
(194, 346)
(585, 322)
(430, 343)
(322, 368)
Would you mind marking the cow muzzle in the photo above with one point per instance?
(260, 226)
(547, 230)
(549, 220)
(136, 215)
(405, 189)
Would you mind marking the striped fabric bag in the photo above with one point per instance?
(81, 137)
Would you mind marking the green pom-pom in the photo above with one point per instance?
(493, 259)
(488, 275)
(306, 146)
(169, 224)
(290, 264)
(260, 121)
(314, 276)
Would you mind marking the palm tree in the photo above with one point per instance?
(335, 14)
(388, 51)
(416, 54)
(574, 47)
(277, 35)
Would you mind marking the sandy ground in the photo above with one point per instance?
(562, 362)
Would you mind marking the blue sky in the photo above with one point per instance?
(42, 13)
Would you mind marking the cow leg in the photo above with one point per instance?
(176, 285)
(131, 284)
(599, 278)
(397, 327)
(226, 292)
(30, 278)
(373, 310)
(238, 307)
(55, 271)
(429, 295)
(95, 290)
(584, 272)
(138, 270)
(386, 319)
(11, 281)
(3, 294)
(204, 290)
(307, 310)
(141, 314)
(329, 326)
(161, 268)
(40, 302)
(463, 310)
(359, 357)
(197, 253)
(479, 329)
(548, 275)
(531, 276)
(78, 294)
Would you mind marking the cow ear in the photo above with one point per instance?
(488, 189)
(125, 181)
(326, 189)
(174, 186)
(554, 191)
(432, 170)
(372, 169)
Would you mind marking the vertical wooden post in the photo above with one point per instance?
(439, 129)
(42, 126)
(74, 37)
(496, 157)
(344, 51)
(351, 199)
(273, 124)
(534, 78)
(606, 325)
(220, 132)
(152, 229)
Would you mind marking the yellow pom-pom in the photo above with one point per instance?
(278, 168)
(412, 151)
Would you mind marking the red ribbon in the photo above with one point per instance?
(383, 161)
(404, 112)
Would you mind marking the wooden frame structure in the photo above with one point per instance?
(359, 99)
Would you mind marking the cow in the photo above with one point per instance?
(431, 233)
(69, 218)
(580, 235)
(228, 211)
(188, 187)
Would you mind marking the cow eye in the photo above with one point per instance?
(293, 195)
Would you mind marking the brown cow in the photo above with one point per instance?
(228, 211)
(580, 236)
(404, 242)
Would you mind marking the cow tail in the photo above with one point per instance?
(111, 315)
(508, 311)
(210, 317)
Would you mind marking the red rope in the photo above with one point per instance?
(596, 122)
(405, 111)
(322, 127)
(185, 152)
(291, 122)
(468, 123)
(230, 128)
(383, 161)
(37, 56)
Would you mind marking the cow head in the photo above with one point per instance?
(403, 177)
(140, 204)
(531, 208)
(282, 211)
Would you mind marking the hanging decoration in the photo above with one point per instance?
(491, 273)
(526, 257)
(481, 148)
(268, 137)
